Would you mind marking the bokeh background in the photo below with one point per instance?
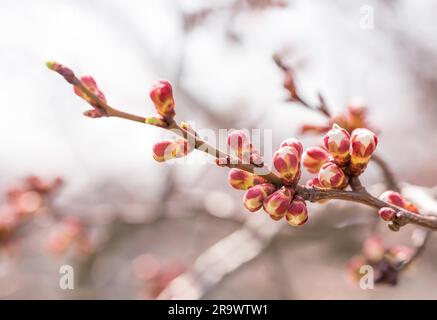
(138, 224)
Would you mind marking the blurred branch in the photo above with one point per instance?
(221, 259)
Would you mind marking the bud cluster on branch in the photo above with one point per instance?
(338, 163)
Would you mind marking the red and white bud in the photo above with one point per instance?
(243, 180)
(297, 212)
(363, 144)
(277, 203)
(373, 249)
(337, 142)
(294, 143)
(239, 142)
(161, 94)
(394, 198)
(387, 214)
(314, 158)
(254, 197)
(164, 150)
(398, 200)
(331, 176)
(287, 163)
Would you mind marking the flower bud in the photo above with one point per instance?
(332, 177)
(287, 163)
(164, 150)
(363, 144)
(277, 203)
(169, 149)
(297, 212)
(394, 198)
(398, 200)
(254, 197)
(239, 142)
(294, 143)
(89, 83)
(243, 180)
(314, 158)
(337, 142)
(387, 214)
(161, 94)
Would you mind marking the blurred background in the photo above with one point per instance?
(93, 197)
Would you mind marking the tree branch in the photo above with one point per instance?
(360, 195)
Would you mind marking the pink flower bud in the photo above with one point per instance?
(332, 177)
(161, 94)
(363, 144)
(164, 150)
(254, 197)
(337, 142)
(89, 83)
(287, 163)
(277, 203)
(243, 180)
(294, 143)
(314, 158)
(239, 142)
(394, 198)
(387, 214)
(373, 249)
(398, 200)
(169, 149)
(297, 212)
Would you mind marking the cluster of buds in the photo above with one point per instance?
(69, 233)
(355, 117)
(385, 261)
(341, 156)
(24, 202)
(154, 274)
(276, 202)
(239, 144)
